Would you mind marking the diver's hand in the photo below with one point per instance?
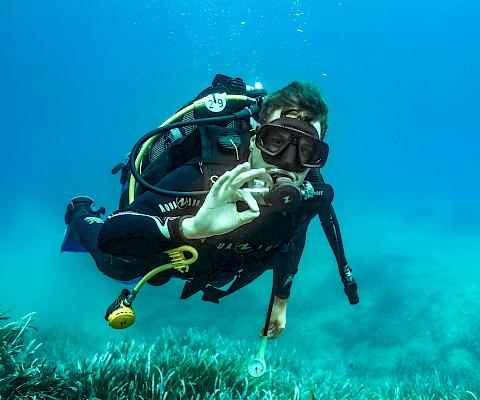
(218, 214)
(278, 319)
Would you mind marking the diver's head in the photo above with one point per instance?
(300, 100)
(289, 138)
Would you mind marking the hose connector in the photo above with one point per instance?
(178, 260)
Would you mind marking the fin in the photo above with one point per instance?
(69, 244)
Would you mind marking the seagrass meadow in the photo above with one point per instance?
(189, 366)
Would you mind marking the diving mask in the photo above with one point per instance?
(291, 144)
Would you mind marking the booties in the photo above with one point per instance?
(79, 209)
(81, 206)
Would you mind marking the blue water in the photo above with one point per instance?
(82, 80)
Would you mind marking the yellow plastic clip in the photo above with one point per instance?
(178, 260)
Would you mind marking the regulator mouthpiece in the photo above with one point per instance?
(120, 314)
(284, 194)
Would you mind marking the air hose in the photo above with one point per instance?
(257, 366)
(120, 314)
(141, 147)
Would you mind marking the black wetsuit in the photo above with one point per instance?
(132, 240)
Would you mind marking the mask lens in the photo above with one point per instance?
(307, 150)
(274, 139)
(312, 152)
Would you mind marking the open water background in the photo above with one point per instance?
(82, 80)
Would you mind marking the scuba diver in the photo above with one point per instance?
(237, 178)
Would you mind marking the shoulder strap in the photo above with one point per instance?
(331, 228)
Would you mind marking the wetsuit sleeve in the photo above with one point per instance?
(286, 265)
(151, 224)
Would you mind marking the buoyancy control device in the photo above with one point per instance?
(214, 131)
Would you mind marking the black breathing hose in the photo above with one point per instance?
(245, 113)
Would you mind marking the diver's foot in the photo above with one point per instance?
(82, 206)
(78, 210)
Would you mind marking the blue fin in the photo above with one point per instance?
(70, 244)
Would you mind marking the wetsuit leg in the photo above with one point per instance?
(122, 268)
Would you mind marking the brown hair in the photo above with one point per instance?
(301, 97)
